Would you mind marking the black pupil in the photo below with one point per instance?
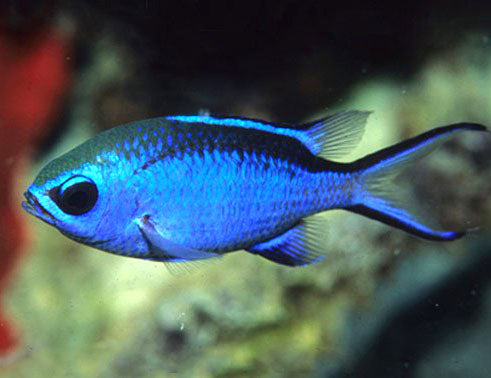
(78, 199)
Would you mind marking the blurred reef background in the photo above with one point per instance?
(382, 304)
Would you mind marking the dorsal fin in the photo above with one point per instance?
(335, 135)
(329, 137)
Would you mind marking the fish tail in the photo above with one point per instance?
(378, 198)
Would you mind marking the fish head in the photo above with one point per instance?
(73, 195)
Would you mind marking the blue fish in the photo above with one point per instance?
(185, 188)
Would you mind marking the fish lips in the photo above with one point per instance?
(33, 207)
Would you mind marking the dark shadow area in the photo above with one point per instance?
(296, 56)
(417, 329)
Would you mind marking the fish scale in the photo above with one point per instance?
(241, 191)
(253, 165)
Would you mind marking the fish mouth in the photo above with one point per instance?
(33, 207)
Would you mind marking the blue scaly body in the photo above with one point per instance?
(191, 187)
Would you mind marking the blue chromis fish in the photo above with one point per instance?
(185, 188)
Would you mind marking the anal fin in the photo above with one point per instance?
(299, 246)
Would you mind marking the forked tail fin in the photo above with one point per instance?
(376, 200)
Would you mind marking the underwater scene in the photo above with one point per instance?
(263, 189)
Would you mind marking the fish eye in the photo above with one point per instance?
(76, 196)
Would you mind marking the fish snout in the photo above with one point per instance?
(33, 207)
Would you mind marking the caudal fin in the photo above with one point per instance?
(376, 200)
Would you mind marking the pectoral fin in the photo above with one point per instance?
(165, 249)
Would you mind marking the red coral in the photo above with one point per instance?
(35, 75)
